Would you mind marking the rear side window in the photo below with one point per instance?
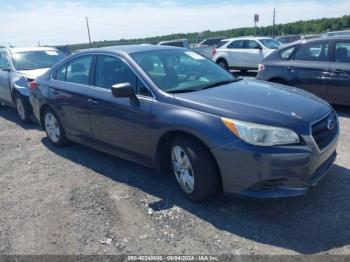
(286, 53)
(313, 52)
(61, 73)
(78, 70)
(342, 52)
(236, 44)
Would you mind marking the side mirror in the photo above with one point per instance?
(125, 90)
(258, 47)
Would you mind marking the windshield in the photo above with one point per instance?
(176, 71)
(270, 43)
(32, 60)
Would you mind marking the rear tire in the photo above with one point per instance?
(223, 63)
(53, 128)
(194, 168)
(23, 108)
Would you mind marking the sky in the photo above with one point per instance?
(60, 22)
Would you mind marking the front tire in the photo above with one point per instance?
(23, 108)
(53, 128)
(194, 168)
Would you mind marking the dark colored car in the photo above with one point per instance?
(175, 110)
(320, 66)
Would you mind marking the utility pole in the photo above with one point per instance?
(274, 21)
(88, 29)
(256, 20)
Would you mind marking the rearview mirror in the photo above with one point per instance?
(125, 90)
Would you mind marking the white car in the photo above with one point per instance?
(244, 53)
(18, 68)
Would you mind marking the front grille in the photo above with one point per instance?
(325, 130)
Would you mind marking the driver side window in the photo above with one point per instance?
(111, 70)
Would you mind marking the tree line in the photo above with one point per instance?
(316, 26)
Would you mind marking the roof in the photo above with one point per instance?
(129, 49)
(247, 38)
(28, 49)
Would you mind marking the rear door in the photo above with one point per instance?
(253, 54)
(310, 68)
(5, 91)
(117, 123)
(339, 83)
(69, 93)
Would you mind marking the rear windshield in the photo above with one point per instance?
(32, 60)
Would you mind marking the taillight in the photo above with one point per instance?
(213, 52)
(261, 67)
(32, 85)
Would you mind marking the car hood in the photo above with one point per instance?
(259, 102)
(32, 74)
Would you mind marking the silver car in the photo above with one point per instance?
(18, 68)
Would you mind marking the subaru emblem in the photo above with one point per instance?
(330, 124)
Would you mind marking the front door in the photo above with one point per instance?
(117, 123)
(5, 90)
(339, 83)
(309, 70)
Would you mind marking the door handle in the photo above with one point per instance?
(291, 68)
(93, 102)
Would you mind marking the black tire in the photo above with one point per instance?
(223, 63)
(23, 107)
(62, 140)
(205, 171)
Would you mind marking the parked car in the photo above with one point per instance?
(320, 66)
(18, 68)
(207, 46)
(244, 53)
(212, 41)
(286, 39)
(207, 51)
(175, 110)
(177, 43)
(338, 33)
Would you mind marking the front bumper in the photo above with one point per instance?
(273, 172)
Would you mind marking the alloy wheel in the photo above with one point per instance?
(182, 169)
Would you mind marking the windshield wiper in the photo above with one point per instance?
(177, 91)
(219, 83)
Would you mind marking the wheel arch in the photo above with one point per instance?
(162, 149)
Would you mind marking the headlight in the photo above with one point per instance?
(261, 135)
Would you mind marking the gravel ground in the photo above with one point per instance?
(76, 200)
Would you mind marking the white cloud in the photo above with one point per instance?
(64, 22)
